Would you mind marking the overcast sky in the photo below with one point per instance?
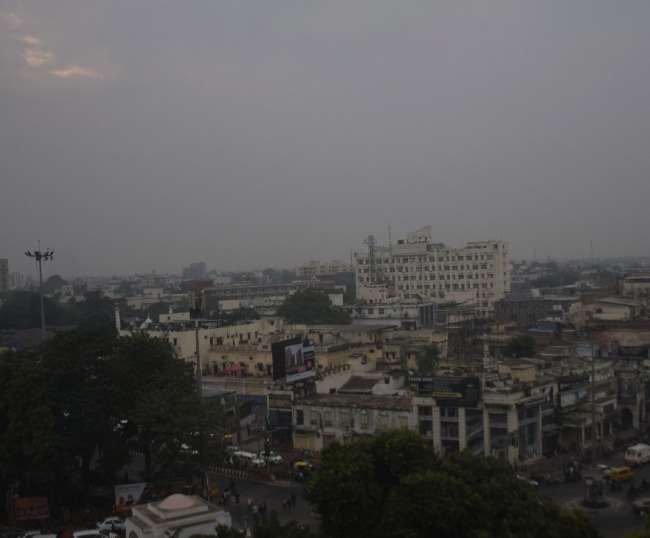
(149, 134)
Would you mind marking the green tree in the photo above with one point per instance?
(53, 284)
(427, 359)
(520, 346)
(22, 310)
(157, 396)
(239, 315)
(392, 485)
(312, 307)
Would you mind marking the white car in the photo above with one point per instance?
(528, 481)
(94, 533)
(111, 524)
(274, 458)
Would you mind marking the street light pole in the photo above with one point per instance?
(41, 256)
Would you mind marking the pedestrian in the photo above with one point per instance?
(250, 504)
(285, 504)
(237, 497)
(293, 499)
(263, 509)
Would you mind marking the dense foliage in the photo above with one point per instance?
(21, 310)
(393, 486)
(427, 359)
(71, 410)
(312, 307)
(520, 346)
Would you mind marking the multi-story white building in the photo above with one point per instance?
(416, 268)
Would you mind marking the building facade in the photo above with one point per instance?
(416, 268)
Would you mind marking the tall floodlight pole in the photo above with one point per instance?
(41, 256)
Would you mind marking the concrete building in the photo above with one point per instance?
(195, 271)
(4, 274)
(636, 286)
(417, 268)
(613, 309)
(315, 268)
(322, 420)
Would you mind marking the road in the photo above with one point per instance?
(272, 495)
(617, 519)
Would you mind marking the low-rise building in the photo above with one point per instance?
(322, 420)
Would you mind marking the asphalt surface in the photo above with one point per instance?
(615, 520)
(272, 495)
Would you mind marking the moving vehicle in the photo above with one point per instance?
(111, 524)
(620, 474)
(637, 454)
(641, 506)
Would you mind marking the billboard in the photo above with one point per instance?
(449, 391)
(127, 495)
(31, 508)
(292, 360)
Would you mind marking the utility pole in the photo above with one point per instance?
(199, 373)
(594, 428)
(40, 257)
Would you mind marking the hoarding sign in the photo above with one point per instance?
(31, 508)
(127, 495)
(292, 360)
(450, 391)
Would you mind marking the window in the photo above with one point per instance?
(327, 418)
(448, 412)
(315, 418)
(425, 410)
(300, 417)
(364, 420)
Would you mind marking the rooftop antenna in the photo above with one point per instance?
(372, 243)
(390, 240)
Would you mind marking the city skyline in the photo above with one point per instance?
(252, 135)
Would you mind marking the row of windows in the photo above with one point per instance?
(447, 277)
(424, 258)
(343, 419)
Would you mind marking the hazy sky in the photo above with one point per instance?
(149, 134)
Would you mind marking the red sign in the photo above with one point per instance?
(31, 508)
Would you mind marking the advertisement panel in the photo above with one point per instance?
(126, 495)
(292, 360)
(449, 391)
(31, 508)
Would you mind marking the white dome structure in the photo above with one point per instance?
(178, 515)
(177, 501)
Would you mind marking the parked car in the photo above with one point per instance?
(641, 506)
(528, 481)
(111, 524)
(88, 533)
(637, 454)
(274, 458)
(11, 532)
(258, 462)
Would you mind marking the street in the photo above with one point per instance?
(272, 495)
(615, 520)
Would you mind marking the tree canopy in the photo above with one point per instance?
(427, 359)
(86, 397)
(21, 310)
(312, 307)
(520, 346)
(393, 486)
